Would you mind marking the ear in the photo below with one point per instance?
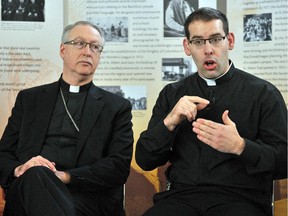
(231, 40)
(186, 46)
(62, 50)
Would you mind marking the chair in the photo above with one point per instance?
(280, 195)
(2, 201)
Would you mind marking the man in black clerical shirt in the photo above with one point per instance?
(67, 147)
(222, 130)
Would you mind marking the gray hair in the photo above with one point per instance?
(68, 28)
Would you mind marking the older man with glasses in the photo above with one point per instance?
(68, 145)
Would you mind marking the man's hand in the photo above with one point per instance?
(63, 176)
(34, 161)
(222, 137)
(186, 108)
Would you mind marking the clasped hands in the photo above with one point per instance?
(41, 161)
(222, 137)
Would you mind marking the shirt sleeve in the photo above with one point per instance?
(268, 152)
(154, 146)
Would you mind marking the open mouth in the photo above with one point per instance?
(210, 65)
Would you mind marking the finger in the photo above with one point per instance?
(200, 102)
(191, 112)
(203, 136)
(207, 123)
(22, 169)
(201, 106)
(19, 171)
(40, 161)
(204, 139)
(184, 109)
(58, 174)
(49, 165)
(52, 167)
(202, 130)
(226, 119)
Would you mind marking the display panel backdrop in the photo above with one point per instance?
(261, 33)
(29, 50)
(143, 53)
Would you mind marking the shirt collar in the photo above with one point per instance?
(221, 79)
(73, 89)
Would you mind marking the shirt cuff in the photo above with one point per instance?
(251, 153)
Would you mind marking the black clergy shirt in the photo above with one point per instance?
(61, 139)
(259, 112)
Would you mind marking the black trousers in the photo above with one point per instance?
(38, 192)
(209, 201)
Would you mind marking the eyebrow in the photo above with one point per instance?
(201, 37)
(81, 39)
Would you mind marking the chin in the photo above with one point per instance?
(86, 73)
(212, 76)
(209, 74)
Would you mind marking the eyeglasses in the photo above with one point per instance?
(94, 47)
(215, 41)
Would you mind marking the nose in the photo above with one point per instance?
(208, 50)
(87, 51)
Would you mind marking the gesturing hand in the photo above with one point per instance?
(222, 137)
(186, 107)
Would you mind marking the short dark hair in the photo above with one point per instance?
(206, 14)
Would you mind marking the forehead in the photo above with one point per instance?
(85, 32)
(205, 28)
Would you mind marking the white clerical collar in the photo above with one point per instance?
(74, 89)
(212, 82)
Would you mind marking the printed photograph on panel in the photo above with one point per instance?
(23, 10)
(257, 27)
(175, 14)
(137, 95)
(175, 69)
(115, 29)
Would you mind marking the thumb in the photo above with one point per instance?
(226, 119)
